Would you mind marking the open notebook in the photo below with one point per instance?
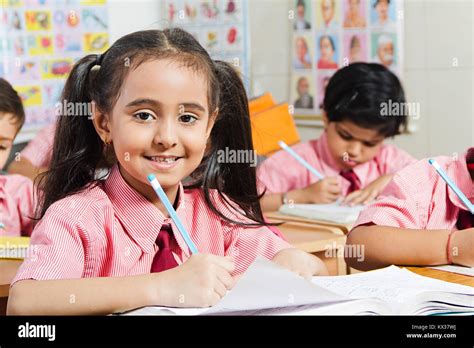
(333, 212)
(267, 289)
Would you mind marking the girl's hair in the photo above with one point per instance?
(78, 150)
(231, 131)
(358, 93)
(10, 103)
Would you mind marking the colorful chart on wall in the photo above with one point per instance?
(330, 34)
(221, 26)
(40, 40)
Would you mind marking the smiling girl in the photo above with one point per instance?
(162, 107)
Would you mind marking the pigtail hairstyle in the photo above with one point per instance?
(231, 131)
(78, 150)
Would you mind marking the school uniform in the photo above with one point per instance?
(419, 198)
(16, 205)
(111, 230)
(282, 173)
(39, 150)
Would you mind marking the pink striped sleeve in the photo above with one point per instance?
(403, 203)
(245, 244)
(39, 150)
(24, 197)
(57, 249)
(392, 159)
(282, 173)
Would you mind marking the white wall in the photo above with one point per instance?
(126, 16)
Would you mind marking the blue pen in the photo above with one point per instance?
(300, 159)
(452, 185)
(162, 195)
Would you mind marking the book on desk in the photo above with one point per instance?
(267, 289)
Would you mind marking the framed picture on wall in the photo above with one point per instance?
(330, 34)
(221, 26)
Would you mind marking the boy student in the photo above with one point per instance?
(16, 191)
(350, 154)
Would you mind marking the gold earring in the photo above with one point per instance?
(107, 142)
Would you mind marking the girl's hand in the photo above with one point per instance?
(199, 282)
(462, 247)
(369, 193)
(326, 190)
(300, 262)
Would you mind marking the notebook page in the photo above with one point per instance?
(333, 212)
(264, 285)
(469, 271)
(392, 285)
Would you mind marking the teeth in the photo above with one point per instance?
(164, 159)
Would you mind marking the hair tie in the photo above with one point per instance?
(98, 59)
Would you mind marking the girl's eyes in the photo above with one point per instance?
(184, 118)
(188, 118)
(144, 116)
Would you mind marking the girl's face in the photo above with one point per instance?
(351, 145)
(326, 49)
(159, 125)
(8, 130)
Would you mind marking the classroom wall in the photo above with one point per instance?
(436, 32)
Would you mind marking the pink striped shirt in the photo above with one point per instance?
(419, 198)
(16, 205)
(110, 230)
(282, 173)
(39, 150)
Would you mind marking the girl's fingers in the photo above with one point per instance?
(371, 197)
(225, 262)
(360, 198)
(225, 278)
(220, 289)
(351, 196)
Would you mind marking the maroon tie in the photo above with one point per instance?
(164, 258)
(465, 220)
(353, 179)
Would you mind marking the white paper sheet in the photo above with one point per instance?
(333, 212)
(265, 285)
(469, 271)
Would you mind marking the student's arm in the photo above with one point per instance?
(24, 167)
(200, 282)
(326, 190)
(383, 246)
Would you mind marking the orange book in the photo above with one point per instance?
(271, 126)
(261, 103)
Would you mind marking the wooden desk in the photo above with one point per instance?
(442, 275)
(8, 269)
(318, 240)
(336, 228)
